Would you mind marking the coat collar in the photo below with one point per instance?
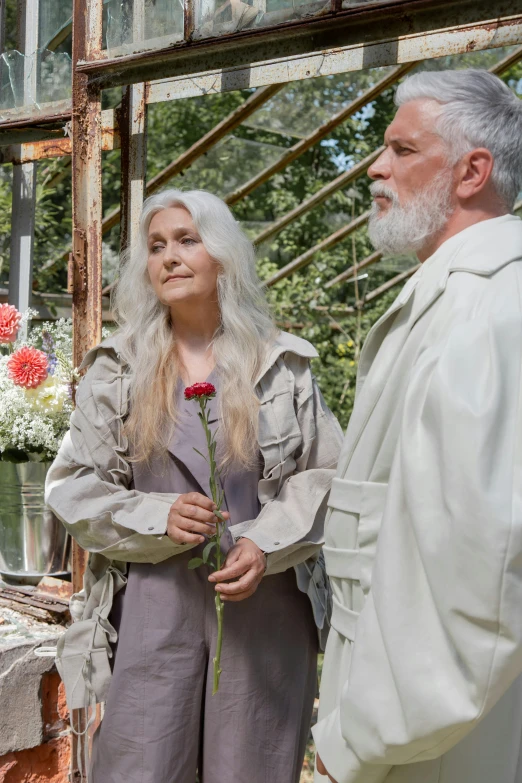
(482, 249)
(286, 343)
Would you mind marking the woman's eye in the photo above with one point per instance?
(188, 241)
(156, 248)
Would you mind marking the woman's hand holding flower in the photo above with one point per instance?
(246, 563)
(191, 518)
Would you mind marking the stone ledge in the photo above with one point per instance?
(22, 723)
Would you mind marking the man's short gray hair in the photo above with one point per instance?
(479, 110)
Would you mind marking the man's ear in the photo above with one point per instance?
(474, 172)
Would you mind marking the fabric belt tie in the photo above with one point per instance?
(346, 495)
(344, 620)
(342, 563)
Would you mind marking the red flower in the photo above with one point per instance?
(28, 367)
(199, 390)
(9, 323)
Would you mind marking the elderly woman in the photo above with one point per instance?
(131, 488)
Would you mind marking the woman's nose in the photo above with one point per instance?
(170, 256)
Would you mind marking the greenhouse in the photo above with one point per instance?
(279, 107)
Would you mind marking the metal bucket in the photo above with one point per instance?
(33, 542)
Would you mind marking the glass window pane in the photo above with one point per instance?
(219, 17)
(135, 25)
(303, 106)
(37, 82)
(232, 162)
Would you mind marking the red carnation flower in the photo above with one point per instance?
(199, 390)
(28, 367)
(9, 323)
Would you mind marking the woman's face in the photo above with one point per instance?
(180, 268)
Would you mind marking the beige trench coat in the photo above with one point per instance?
(88, 489)
(422, 675)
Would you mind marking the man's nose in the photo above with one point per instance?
(380, 168)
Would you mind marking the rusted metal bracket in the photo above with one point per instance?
(77, 269)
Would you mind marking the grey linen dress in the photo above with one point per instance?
(161, 722)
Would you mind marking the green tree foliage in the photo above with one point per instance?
(300, 303)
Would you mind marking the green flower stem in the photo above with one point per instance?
(217, 498)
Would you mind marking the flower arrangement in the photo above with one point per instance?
(202, 393)
(37, 381)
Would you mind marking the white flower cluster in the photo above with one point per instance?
(34, 421)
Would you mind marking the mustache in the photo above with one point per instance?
(379, 189)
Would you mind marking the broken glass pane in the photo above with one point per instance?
(38, 82)
(55, 25)
(135, 25)
(34, 84)
(218, 17)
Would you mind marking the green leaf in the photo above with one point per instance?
(208, 549)
(200, 454)
(195, 562)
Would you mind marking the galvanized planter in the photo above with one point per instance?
(33, 542)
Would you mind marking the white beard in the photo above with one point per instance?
(407, 228)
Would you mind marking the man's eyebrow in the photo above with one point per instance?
(396, 139)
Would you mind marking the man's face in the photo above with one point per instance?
(414, 184)
(414, 153)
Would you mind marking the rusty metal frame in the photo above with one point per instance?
(382, 33)
(85, 260)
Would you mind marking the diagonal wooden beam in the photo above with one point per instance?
(319, 133)
(506, 62)
(342, 181)
(187, 158)
(375, 294)
(349, 273)
(330, 241)
(304, 259)
(391, 284)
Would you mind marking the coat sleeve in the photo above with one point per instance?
(88, 484)
(439, 639)
(290, 527)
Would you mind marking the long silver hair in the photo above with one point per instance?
(148, 341)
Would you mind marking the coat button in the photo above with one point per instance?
(151, 527)
(276, 543)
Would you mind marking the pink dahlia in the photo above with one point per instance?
(27, 367)
(199, 390)
(9, 322)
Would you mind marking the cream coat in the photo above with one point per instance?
(89, 488)
(421, 680)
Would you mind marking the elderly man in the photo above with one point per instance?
(422, 675)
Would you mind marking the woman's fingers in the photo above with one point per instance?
(198, 514)
(245, 564)
(180, 536)
(197, 499)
